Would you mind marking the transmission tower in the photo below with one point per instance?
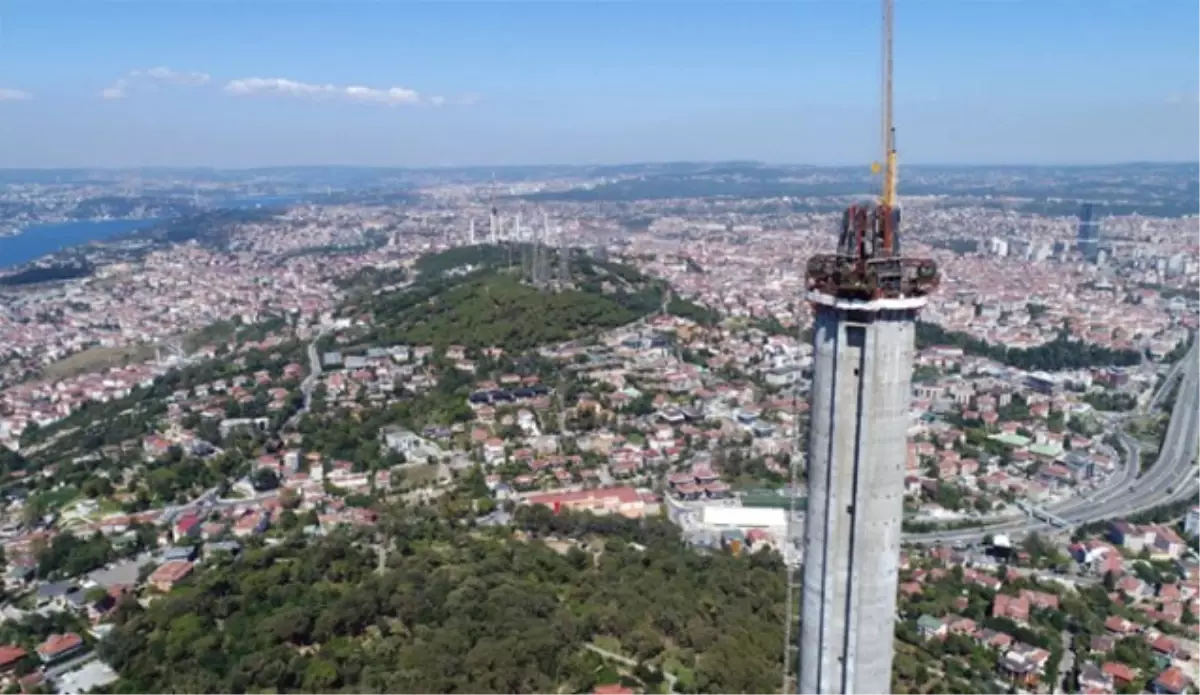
(494, 214)
(564, 261)
(542, 259)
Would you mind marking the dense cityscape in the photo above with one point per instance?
(305, 387)
(547, 430)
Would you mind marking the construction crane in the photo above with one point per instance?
(887, 200)
(868, 264)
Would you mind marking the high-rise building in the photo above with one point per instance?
(1087, 240)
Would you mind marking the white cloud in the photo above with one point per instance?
(154, 76)
(281, 87)
(118, 90)
(14, 95)
(1180, 98)
(173, 76)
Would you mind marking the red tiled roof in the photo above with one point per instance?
(1119, 671)
(172, 571)
(10, 654)
(623, 494)
(57, 644)
(1172, 680)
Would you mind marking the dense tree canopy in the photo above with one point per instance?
(67, 555)
(456, 610)
(1058, 354)
(477, 297)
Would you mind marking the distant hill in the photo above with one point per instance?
(476, 297)
(210, 228)
(35, 274)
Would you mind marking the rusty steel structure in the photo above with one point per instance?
(868, 264)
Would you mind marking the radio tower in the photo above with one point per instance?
(564, 261)
(865, 298)
(493, 220)
(541, 270)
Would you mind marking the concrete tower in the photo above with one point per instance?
(865, 299)
(859, 417)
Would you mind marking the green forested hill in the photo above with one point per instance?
(460, 610)
(477, 297)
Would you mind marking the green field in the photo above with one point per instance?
(97, 358)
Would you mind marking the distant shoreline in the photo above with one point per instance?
(43, 239)
(18, 231)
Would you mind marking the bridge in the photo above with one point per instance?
(1042, 514)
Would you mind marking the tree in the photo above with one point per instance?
(463, 612)
(264, 479)
(67, 555)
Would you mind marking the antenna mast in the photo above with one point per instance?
(493, 213)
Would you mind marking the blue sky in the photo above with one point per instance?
(445, 82)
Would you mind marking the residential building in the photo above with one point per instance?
(169, 574)
(58, 647)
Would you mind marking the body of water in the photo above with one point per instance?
(40, 239)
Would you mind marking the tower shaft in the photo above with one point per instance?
(857, 453)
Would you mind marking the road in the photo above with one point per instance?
(310, 381)
(1066, 663)
(1170, 479)
(631, 663)
(69, 665)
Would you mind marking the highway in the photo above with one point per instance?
(1172, 477)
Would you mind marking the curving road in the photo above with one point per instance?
(1172, 477)
(310, 381)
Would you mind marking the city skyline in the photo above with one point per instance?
(490, 84)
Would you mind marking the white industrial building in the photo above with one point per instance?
(722, 517)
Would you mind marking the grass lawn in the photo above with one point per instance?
(97, 358)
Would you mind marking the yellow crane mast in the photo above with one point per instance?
(868, 263)
(890, 173)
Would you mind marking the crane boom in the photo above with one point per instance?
(888, 199)
(868, 264)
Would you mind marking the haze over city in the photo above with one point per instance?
(238, 84)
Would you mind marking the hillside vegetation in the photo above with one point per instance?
(1058, 354)
(455, 610)
(478, 297)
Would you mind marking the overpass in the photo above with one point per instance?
(1172, 478)
(1041, 514)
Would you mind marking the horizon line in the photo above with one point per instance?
(644, 163)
